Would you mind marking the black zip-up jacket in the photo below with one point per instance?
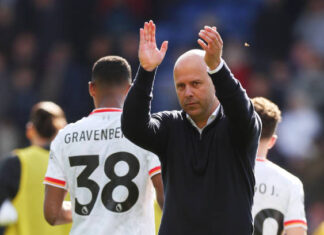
(208, 178)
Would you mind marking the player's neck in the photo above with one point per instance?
(262, 149)
(112, 102)
(40, 142)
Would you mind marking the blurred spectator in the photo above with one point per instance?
(237, 58)
(273, 27)
(309, 74)
(139, 9)
(24, 95)
(24, 50)
(5, 90)
(129, 49)
(79, 24)
(281, 79)
(56, 67)
(100, 46)
(301, 124)
(9, 137)
(119, 18)
(47, 13)
(310, 26)
(7, 16)
(259, 85)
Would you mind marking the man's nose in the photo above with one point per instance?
(188, 92)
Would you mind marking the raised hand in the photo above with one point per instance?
(213, 48)
(149, 55)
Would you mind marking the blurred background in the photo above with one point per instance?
(47, 48)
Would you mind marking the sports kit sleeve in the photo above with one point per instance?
(295, 215)
(154, 165)
(55, 171)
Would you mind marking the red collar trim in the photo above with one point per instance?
(103, 110)
(260, 159)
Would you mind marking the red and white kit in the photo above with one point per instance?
(107, 176)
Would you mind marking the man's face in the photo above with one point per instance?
(195, 90)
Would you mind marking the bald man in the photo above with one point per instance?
(207, 150)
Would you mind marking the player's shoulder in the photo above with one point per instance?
(74, 125)
(283, 174)
(70, 128)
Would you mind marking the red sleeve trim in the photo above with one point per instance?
(260, 159)
(155, 170)
(293, 222)
(55, 181)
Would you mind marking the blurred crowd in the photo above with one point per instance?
(274, 47)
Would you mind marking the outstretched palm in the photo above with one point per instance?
(213, 48)
(149, 55)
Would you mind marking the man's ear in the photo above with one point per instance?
(272, 141)
(92, 91)
(127, 89)
(30, 130)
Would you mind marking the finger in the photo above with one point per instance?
(151, 31)
(202, 44)
(214, 30)
(207, 38)
(146, 33)
(213, 35)
(219, 38)
(210, 29)
(141, 36)
(153, 34)
(164, 48)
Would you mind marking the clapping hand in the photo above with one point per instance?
(149, 55)
(213, 48)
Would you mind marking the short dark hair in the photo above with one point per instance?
(111, 70)
(270, 115)
(44, 116)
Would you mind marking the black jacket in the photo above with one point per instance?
(208, 179)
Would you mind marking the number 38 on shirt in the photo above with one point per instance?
(91, 162)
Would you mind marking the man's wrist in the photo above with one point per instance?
(221, 64)
(148, 68)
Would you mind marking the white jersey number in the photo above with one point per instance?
(92, 162)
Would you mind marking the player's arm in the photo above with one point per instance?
(158, 185)
(10, 170)
(137, 123)
(56, 210)
(295, 231)
(295, 220)
(237, 105)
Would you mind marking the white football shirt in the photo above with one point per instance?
(278, 199)
(107, 176)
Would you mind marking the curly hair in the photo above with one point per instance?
(270, 115)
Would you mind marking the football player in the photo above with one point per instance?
(21, 175)
(109, 178)
(279, 196)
